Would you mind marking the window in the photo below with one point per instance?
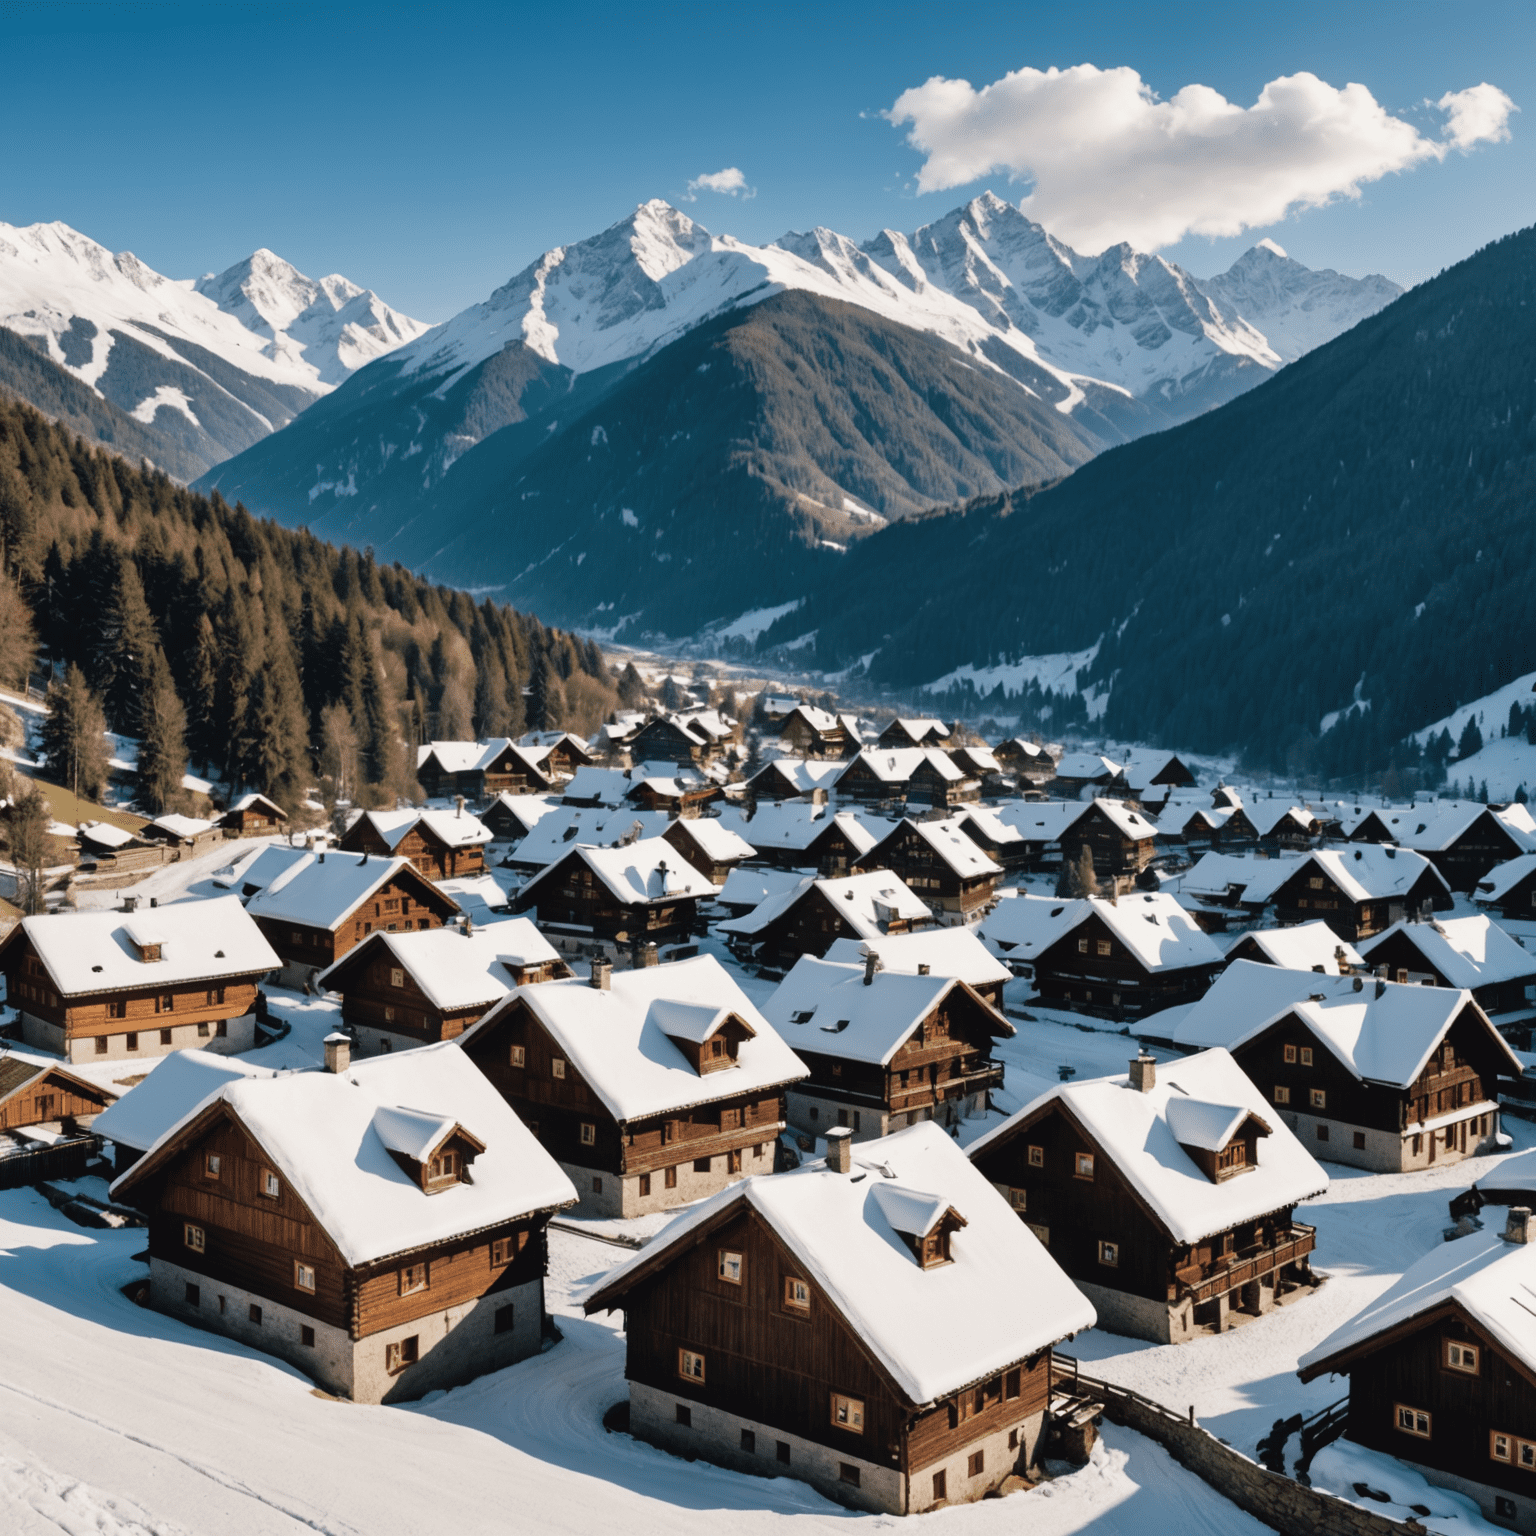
(749, 1442)
(396, 976)
(797, 1294)
(1525, 1454)
(399, 1355)
(117, 1008)
(1461, 1357)
(730, 1267)
(444, 1165)
(645, 1185)
(557, 1067)
(940, 1488)
(303, 1276)
(194, 1295)
(782, 1451)
(165, 1037)
(202, 1030)
(1290, 1055)
(1412, 1421)
(848, 1413)
(194, 1237)
(503, 1250)
(307, 1336)
(505, 1319)
(1082, 1165)
(848, 1473)
(1018, 1198)
(222, 1027)
(977, 1464)
(101, 1045)
(413, 1277)
(1109, 1253)
(255, 1314)
(597, 1186)
(1011, 1384)
(701, 1165)
(519, 1056)
(1082, 946)
(1037, 1157)
(1318, 1098)
(588, 1133)
(1359, 1141)
(1282, 1094)
(690, 1365)
(1234, 1156)
(1101, 946)
(131, 1040)
(211, 1165)
(215, 996)
(1306, 1055)
(269, 1185)
(1315, 883)
(669, 1178)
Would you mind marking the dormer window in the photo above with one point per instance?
(443, 1167)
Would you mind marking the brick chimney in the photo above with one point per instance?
(1144, 1073)
(338, 1052)
(1518, 1228)
(840, 1150)
(602, 973)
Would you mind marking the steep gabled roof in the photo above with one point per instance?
(1023, 927)
(827, 1008)
(645, 872)
(866, 902)
(803, 775)
(1302, 947)
(1438, 824)
(793, 826)
(1088, 766)
(956, 952)
(840, 1227)
(1468, 952)
(318, 1130)
(1135, 1130)
(324, 894)
(948, 843)
(896, 765)
(1256, 878)
(178, 1084)
(1046, 821)
(1503, 878)
(713, 838)
(20, 1069)
(1374, 871)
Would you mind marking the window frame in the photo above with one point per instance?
(265, 1183)
(723, 1263)
(194, 1237)
(1034, 1155)
(1109, 1253)
(1282, 1094)
(1449, 1348)
(212, 1165)
(1317, 1098)
(854, 1422)
(1078, 1161)
(517, 1056)
(687, 1359)
(407, 1287)
(1289, 1053)
(557, 1067)
(1306, 1055)
(1494, 1437)
(800, 1308)
(1402, 1410)
(588, 1133)
(300, 1270)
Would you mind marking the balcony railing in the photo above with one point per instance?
(1227, 1274)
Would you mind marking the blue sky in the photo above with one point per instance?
(430, 152)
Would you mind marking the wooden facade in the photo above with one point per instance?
(681, 836)
(664, 740)
(430, 853)
(809, 926)
(1067, 1186)
(31, 1094)
(805, 736)
(830, 851)
(1312, 892)
(1090, 969)
(1405, 961)
(1115, 851)
(907, 853)
(506, 769)
(255, 816)
(570, 894)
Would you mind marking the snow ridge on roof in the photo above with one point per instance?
(866, 902)
(179, 1084)
(838, 1226)
(1468, 951)
(956, 952)
(792, 826)
(322, 895)
(1302, 947)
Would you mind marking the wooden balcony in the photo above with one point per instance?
(1251, 1264)
(717, 1144)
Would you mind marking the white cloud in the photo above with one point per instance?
(731, 181)
(1110, 161)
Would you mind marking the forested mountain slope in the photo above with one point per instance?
(287, 656)
(1358, 527)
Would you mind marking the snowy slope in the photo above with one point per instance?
(1505, 762)
(217, 363)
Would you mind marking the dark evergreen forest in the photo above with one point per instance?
(260, 652)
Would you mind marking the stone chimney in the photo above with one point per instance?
(154, 901)
(130, 903)
(925, 969)
(646, 956)
(602, 973)
(458, 806)
(338, 1052)
(840, 1150)
(1144, 1073)
(871, 965)
(1518, 1228)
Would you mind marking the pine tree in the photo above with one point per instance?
(631, 687)
(74, 736)
(1077, 875)
(1471, 740)
(18, 640)
(125, 649)
(202, 692)
(1521, 798)
(163, 746)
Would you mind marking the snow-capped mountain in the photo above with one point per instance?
(212, 365)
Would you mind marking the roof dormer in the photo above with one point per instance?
(710, 1038)
(1221, 1139)
(434, 1151)
(146, 941)
(923, 1221)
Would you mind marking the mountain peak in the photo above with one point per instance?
(1266, 244)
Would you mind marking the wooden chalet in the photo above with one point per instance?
(1310, 946)
(711, 847)
(956, 952)
(697, 738)
(323, 905)
(938, 861)
(1077, 771)
(379, 1225)
(510, 818)
(1118, 959)
(254, 815)
(612, 900)
(916, 775)
(1442, 1370)
(807, 919)
(45, 1095)
(913, 733)
(652, 1087)
(885, 1049)
(400, 990)
(790, 778)
(134, 984)
(1025, 760)
(1464, 952)
(1510, 888)
(1148, 772)
(442, 845)
(818, 733)
(1360, 890)
(802, 836)
(1039, 826)
(1462, 839)
(479, 770)
(186, 837)
(780, 1329)
(107, 849)
(1371, 1073)
(558, 753)
(1120, 838)
(1001, 841)
(678, 794)
(1168, 1195)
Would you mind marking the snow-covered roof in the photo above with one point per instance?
(919, 730)
(954, 952)
(1127, 821)
(1503, 878)
(180, 1083)
(827, 1008)
(251, 801)
(259, 867)
(1141, 1132)
(186, 827)
(981, 757)
(555, 835)
(1255, 878)
(950, 844)
(792, 826)
(616, 1037)
(1381, 1031)
(1023, 926)
(649, 870)
(456, 829)
(896, 765)
(867, 902)
(323, 890)
(1143, 764)
(716, 841)
(1043, 821)
(320, 1131)
(480, 897)
(1026, 748)
(104, 834)
(1087, 765)
(803, 775)
(89, 952)
(840, 1227)
(1468, 952)
(1156, 929)
(455, 970)
(1437, 824)
(1269, 816)
(1371, 871)
(991, 826)
(528, 809)
(751, 887)
(600, 786)
(1302, 947)
(1492, 1281)
(414, 1133)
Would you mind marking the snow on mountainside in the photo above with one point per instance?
(213, 365)
(984, 278)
